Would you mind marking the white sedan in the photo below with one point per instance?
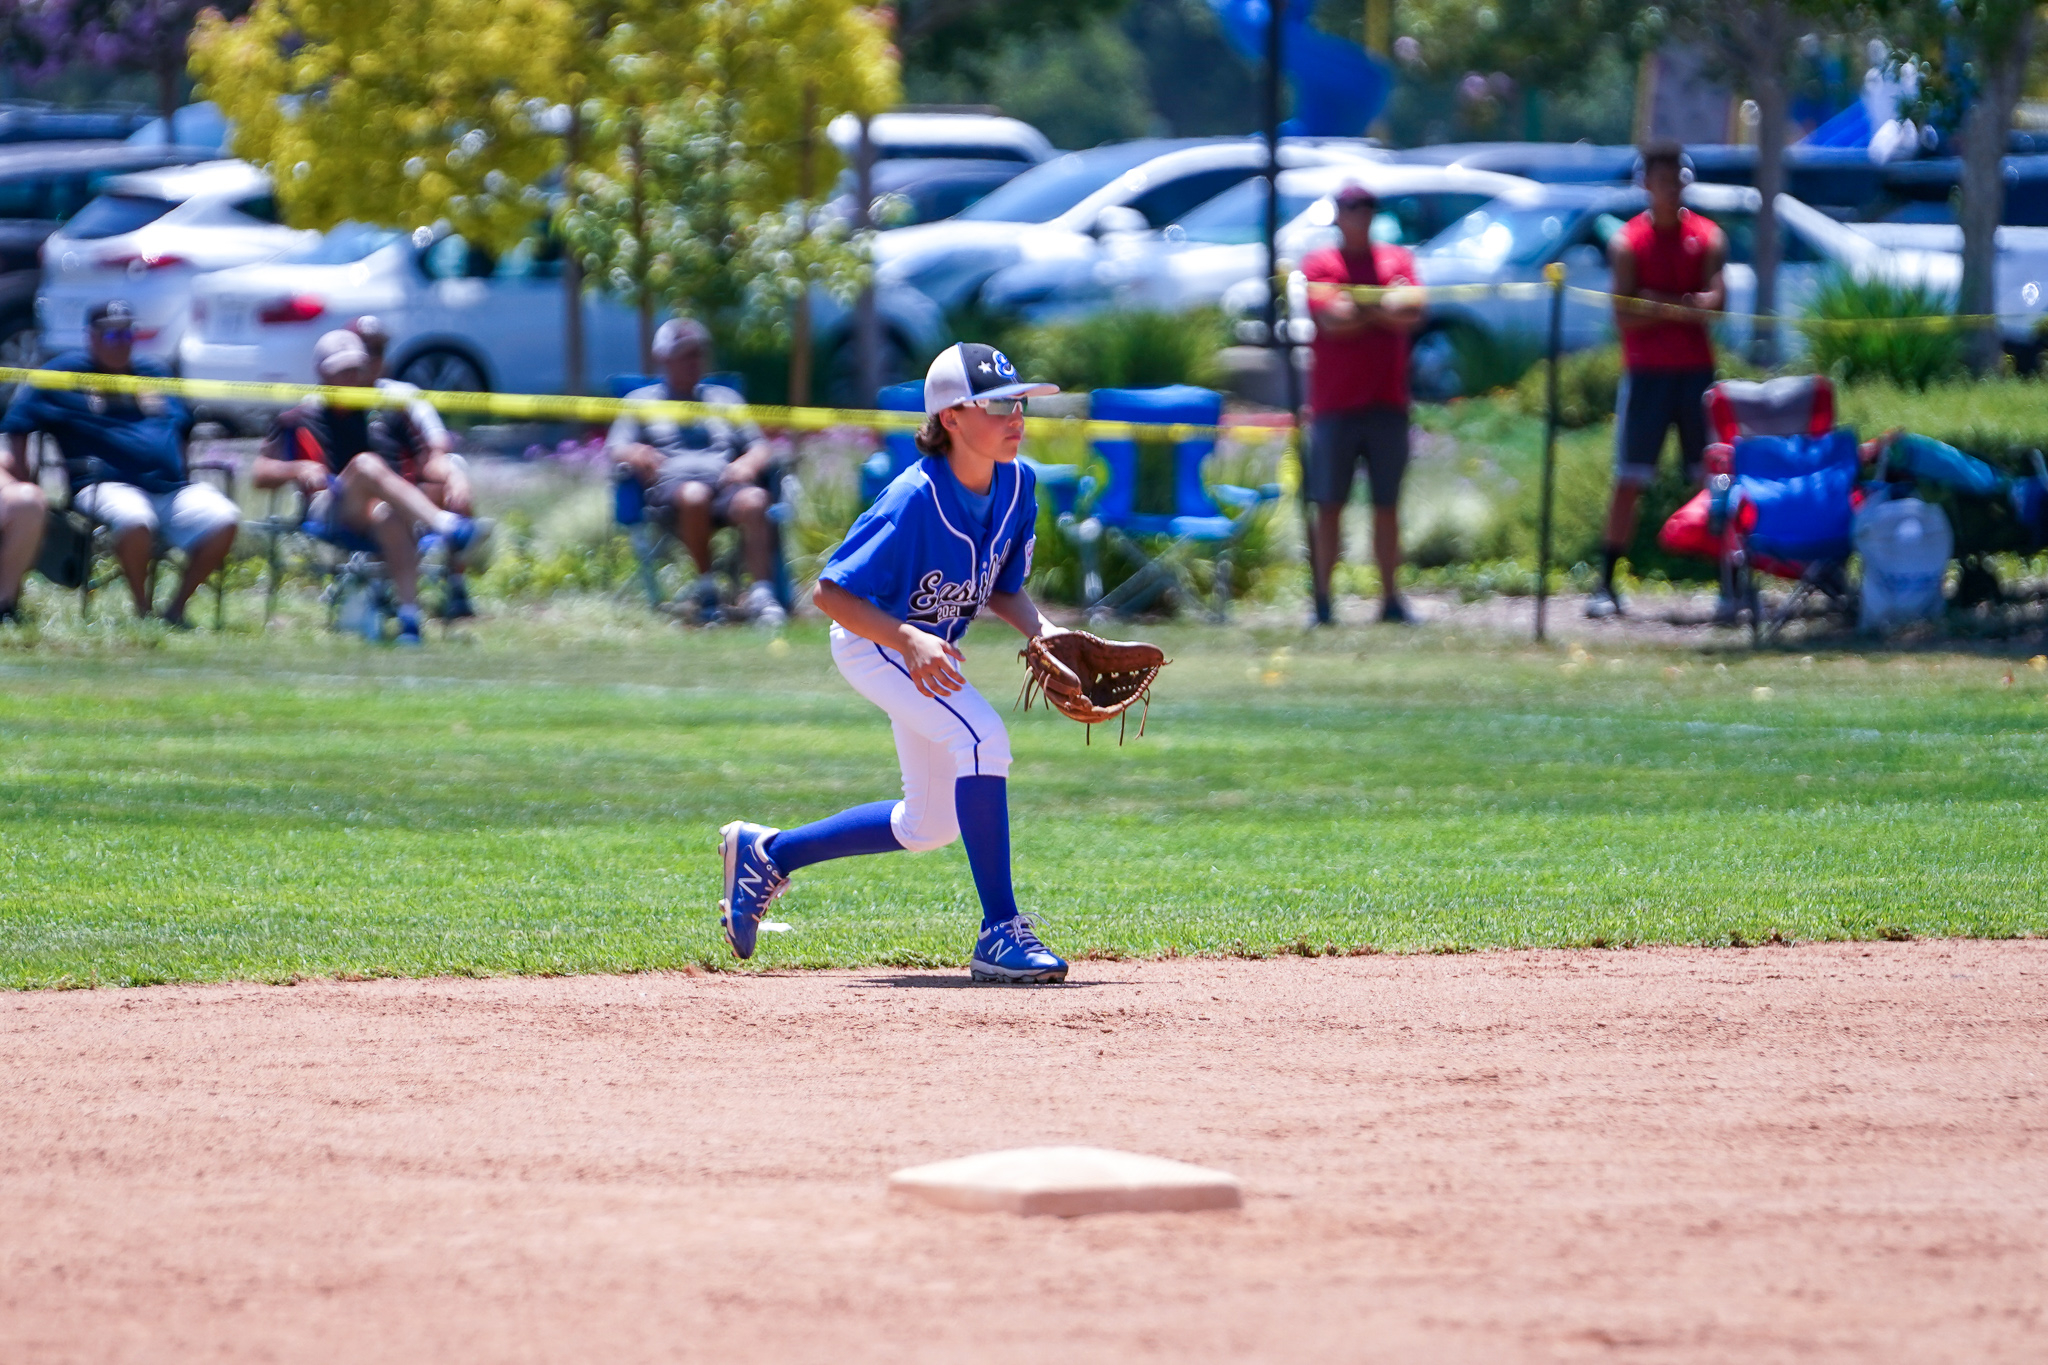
(1220, 245)
(147, 238)
(1063, 210)
(460, 318)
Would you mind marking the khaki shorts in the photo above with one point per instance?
(182, 519)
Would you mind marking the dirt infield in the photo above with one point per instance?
(1812, 1153)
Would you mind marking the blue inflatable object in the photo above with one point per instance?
(1339, 87)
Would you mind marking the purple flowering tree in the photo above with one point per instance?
(45, 36)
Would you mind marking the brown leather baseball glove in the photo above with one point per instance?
(1090, 679)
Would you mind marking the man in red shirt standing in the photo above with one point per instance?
(1667, 255)
(1358, 394)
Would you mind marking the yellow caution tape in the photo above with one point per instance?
(1422, 295)
(542, 406)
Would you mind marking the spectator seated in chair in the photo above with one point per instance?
(125, 456)
(22, 510)
(451, 493)
(701, 475)
(362, 472)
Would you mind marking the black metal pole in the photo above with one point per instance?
(1554, 273)
(1279, 327)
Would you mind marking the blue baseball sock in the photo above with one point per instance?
(861, 829)
(983, 807)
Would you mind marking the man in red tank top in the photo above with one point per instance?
(1358, 394)
(1668, 255)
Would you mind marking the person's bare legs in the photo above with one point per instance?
(377, 502)
(201, 562)
(22, 508)
(693, 523)
(1621, 517)
(401, 552)
(368, 477)
(749, 511)
(131, 552)
(1386, 548)
(1328, 542)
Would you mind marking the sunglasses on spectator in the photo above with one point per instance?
(998, 407)
(116, 334)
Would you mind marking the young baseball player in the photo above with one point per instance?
(951, 535)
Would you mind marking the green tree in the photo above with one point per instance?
(478, 112)
(401, 112)
(1755, 46)
(707, 201)
(1973, 56)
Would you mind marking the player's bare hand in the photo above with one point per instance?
(736, 472)
(933, 664)
(312, 478)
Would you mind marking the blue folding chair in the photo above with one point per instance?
(1142, 504)
(652, 543)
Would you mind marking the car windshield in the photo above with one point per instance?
(1238, 215)
(110, 215)
(1503, 234)
(346, 245)
(1045, 192)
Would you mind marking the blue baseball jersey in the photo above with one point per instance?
(921, 556)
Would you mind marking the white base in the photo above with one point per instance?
(1067, 1182)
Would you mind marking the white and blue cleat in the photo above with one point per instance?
(752, 883)
(1011, 953)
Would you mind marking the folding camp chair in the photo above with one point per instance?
(101, 569)
(355, 585)
(1155, 493)
(1721, 522)
(655, 545)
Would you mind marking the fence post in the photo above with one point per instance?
(1554, 274)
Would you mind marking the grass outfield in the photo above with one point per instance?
(545, 799)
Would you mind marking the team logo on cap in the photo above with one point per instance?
(1004, 367)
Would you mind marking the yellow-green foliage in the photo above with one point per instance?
(407, 112)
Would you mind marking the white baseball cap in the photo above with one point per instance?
(967, 371)
(337, 352)
(677, 334)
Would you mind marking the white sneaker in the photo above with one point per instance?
(758, 605)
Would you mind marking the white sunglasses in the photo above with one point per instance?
(997, 407)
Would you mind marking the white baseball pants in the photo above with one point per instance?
(938, 739)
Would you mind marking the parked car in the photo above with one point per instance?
(1512, 240)
(1842, 182)
(192, 125)
(42, 184)
(914, 134)
(2020, 279)
(1063, 209)
(922, 191)
(33, 121)
(1219, 244)
(460, 318)
(146, 238)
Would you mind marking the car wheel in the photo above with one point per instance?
(444, 371)
(1436, 366)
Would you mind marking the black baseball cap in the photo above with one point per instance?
(968, 371)
(109, 314)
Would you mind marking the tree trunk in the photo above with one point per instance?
(643, 300)
(800, 320)
(2003, 68)
(572, 266)
(867, 329)
(1771, 47)
(167, 92)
